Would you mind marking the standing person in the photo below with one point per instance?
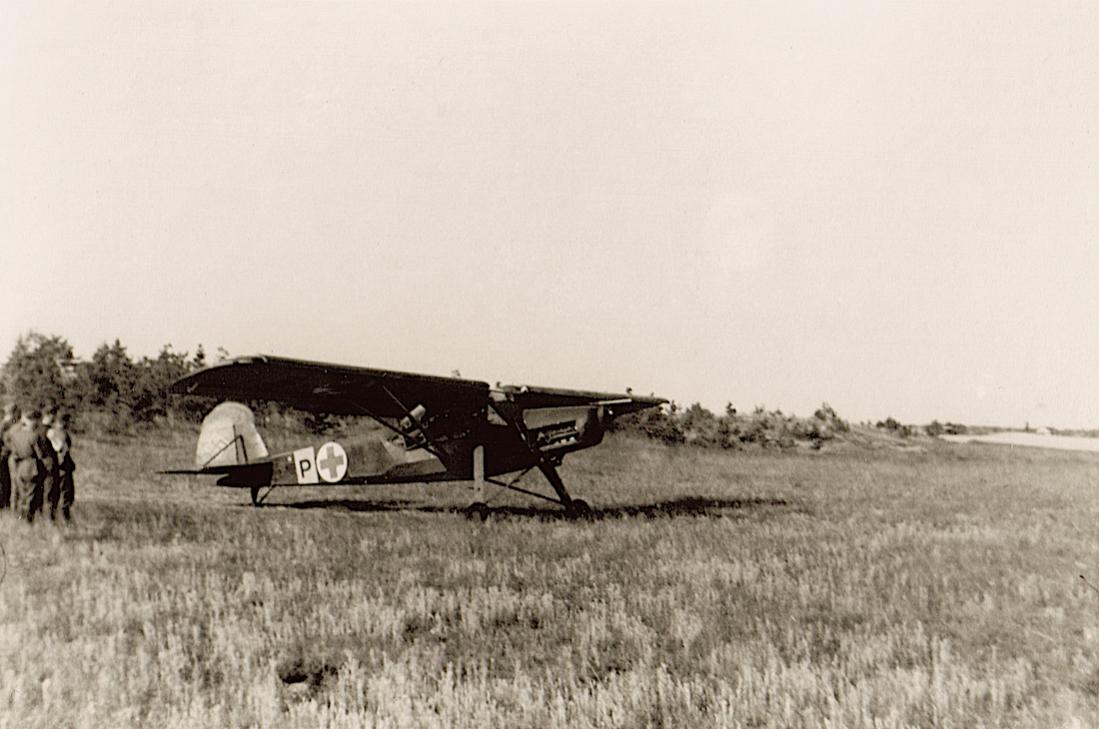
(49, 460)
(63, 491)
(11, 419)
(31, 459)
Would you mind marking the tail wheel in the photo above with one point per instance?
(257, 497)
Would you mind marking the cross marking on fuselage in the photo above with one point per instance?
(331, 462)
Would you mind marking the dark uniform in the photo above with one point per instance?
(32, 463)
(63, 492)
(49, 460)
(11, 419)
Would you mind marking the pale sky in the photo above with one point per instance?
(891, 207)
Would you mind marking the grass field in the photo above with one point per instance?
(952, 586)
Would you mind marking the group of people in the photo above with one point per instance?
(36, 463)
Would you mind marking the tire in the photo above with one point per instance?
(477, 510)
(578, 509)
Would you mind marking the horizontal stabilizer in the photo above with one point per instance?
(212, 471)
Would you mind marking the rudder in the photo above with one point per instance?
(229, 437)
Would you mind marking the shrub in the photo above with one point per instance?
(41, 373)
(894, 427)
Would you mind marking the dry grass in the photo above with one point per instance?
(847, 589)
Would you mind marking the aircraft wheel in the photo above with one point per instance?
(255, 496)
(579, 509)
(478, 510)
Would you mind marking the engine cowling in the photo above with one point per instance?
(564, 428)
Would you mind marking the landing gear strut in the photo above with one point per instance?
(478, 510)
(257, 497)
(546, 464)
(574, 508)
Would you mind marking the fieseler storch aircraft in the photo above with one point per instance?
(439, 428)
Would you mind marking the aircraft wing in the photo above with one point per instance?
(615, 404)
(331, 388)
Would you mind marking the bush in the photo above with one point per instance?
(41, 373)
(656, 423)
(894, 427)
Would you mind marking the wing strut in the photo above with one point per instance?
(429, 444)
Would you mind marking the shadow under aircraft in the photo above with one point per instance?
(688, 506)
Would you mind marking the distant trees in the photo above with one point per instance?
(112, 390)
(699, 425)
(933, 429)
(696, 425)
(42, 372)
(656, 423)
(894, 427)
(138, 390)
(116, 390)
(111, 379)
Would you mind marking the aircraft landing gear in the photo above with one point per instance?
(477, 510)
(578, 509)
(257, 497)
(573, 508)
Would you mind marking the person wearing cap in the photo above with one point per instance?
(31, 460)
(10, 420)
(63, 492)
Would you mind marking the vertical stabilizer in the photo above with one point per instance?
(229, 437)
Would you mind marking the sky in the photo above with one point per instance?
(891, 207)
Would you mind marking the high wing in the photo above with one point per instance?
(346, 390)
(332, 388)
(614, 404)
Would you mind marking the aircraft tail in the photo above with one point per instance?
(229, 438)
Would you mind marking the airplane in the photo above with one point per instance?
(439, 428)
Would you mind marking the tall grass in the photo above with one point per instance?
(850, 588)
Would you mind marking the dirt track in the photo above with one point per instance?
(1061, 442)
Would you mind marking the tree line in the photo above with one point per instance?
(117, 391)
(43, 372)
(696, 425)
